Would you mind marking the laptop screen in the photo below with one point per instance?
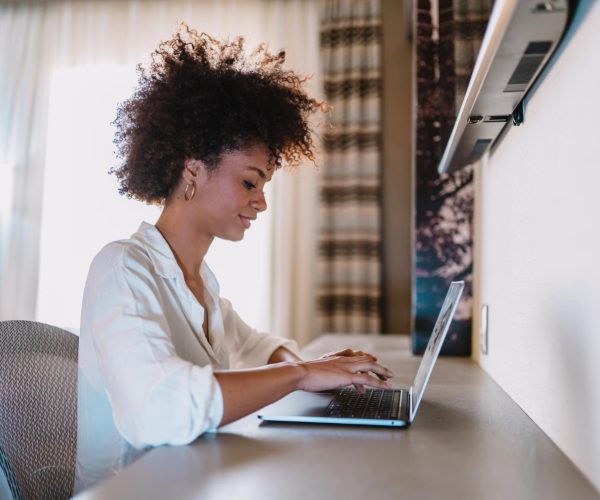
(435, 343)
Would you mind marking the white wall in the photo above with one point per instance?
(538, 250)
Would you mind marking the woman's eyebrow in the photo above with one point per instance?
(260, 172)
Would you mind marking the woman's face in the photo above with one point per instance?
(230, 197)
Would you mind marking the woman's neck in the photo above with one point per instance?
(188, 243)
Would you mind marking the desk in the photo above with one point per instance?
(469, 441)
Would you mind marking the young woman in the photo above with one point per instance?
(162, 358)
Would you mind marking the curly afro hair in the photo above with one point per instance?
(200, 98)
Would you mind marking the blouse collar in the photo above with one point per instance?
(164, 261)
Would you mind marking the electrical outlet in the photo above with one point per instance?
(483, 329)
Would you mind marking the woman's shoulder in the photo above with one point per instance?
(121, 255)
(119, 267)
(145, 253)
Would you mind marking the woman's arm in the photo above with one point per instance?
(282, 354)
(245, 391)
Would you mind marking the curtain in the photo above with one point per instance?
(447, 38)
(24, 65)
(349, 248)
(470, 20)
(38, 38)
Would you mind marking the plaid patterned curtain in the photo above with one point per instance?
(448, 35)
(350, 204)
(470, 20)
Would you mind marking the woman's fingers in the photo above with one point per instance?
(365, 364)
(340, 371)
(334, 354)
(348, 353)
(368, 354)
(362, 366)
(359, 388)
(361, 379)
(381, 377)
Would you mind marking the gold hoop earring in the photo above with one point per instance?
(191, 195)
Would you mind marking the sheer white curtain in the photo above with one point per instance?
(40, 39)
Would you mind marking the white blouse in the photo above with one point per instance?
(145, 365)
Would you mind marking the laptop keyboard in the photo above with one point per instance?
(373, 404)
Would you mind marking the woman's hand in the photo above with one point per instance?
(245, 391)
(350, 352)
(334, 371)
(347, 352)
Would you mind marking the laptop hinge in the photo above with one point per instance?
(410, 404)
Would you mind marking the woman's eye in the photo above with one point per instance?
(248, 185)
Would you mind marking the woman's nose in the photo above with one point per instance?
(260, 203)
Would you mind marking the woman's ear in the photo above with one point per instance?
(191, 168)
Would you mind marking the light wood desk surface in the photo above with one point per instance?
(469, 440)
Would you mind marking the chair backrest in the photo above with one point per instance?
(38, 409)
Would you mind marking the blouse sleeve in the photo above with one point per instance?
(156, 397)
(247, 347)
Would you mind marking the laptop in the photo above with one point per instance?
(380, 407)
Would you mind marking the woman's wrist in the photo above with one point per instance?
(245, 391)
(295, 373)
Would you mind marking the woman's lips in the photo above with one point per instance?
(245, 221)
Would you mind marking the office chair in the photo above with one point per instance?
(38, 409)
